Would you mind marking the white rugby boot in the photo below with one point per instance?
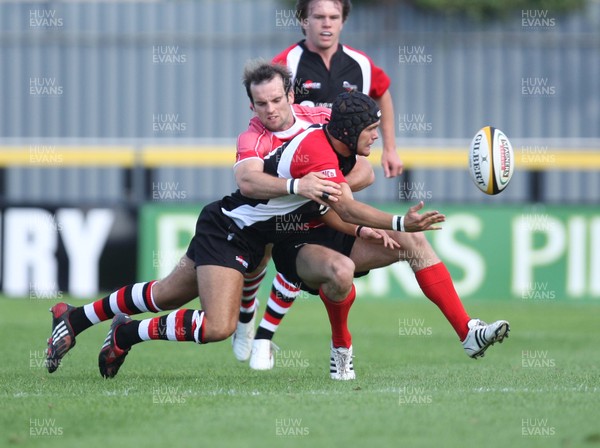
(482, 335)
(340, 366)
(243, 336)
(262, 354)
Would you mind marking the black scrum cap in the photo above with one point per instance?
(352, 112)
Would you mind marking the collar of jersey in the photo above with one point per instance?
(340, 49)
(298, 126)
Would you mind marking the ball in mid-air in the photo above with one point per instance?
(491, 160)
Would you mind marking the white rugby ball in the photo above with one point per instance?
(491, 160)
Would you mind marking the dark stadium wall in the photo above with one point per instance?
(49, 252)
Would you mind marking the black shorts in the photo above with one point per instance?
(218, 241)
(285, 253)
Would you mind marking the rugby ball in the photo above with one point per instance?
(491, 160)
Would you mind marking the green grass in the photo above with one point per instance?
(412, 391)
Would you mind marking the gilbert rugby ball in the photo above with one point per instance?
(491, 160)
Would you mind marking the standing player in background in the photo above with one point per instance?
(321, 69)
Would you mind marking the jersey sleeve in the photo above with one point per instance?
(380, 81)
(252, 143)
(312, 114)
(281, 58)
(315, 155)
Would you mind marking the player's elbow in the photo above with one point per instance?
(246, 186)
(365, 180)
(246, 189)
(361, 176)
(368, 180)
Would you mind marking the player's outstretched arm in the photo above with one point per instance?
(332, 219)
(254, 183)
(356, 212)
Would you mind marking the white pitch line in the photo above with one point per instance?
(538, 390)
(325, 392)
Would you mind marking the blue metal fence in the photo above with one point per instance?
(165, 71)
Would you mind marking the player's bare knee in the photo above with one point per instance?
(342, 269)
(218, 331)
(418, 252)
(414, 245)
(223, 333)
(419, 240)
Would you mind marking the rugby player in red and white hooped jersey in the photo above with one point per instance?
(322, 68)
(277, 120)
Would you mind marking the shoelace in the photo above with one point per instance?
(342, 361)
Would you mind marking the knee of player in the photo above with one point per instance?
(342, 269)
(415, 241)
(218, 331)
(418, 249)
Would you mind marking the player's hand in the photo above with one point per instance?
(391, 163)
(313, 185)
(378, 236)
(415, 222)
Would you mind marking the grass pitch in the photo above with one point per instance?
(415, 387)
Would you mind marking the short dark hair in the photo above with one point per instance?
(303, 5)
(258, 71)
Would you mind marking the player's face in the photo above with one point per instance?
(366, 138)
(323, 24)
(272, 106)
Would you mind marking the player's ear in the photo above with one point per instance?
(252, 107)
(290, 96)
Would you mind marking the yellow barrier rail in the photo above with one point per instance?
(219, 156)
(69, 156)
